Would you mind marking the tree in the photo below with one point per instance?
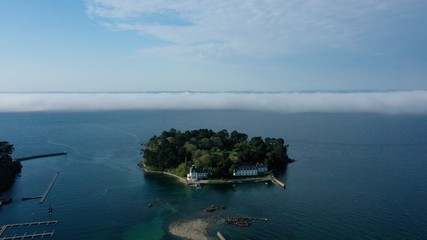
(257, 150)
(225, 139)
(6, 150)
(223, 168)
(277, 157)
(8, 168)
(190, 149)
(205, 144)
(204, 161)
(236, 137)
(175, 151)
(243, 152)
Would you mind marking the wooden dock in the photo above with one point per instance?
(48, 188)
(278, 182)
(25, 235)
(29, 224)
(32, 235)
(41, 156)
(2, 229)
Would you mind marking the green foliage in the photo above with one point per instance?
(218, 151)
(204, 161)
(8, 168)
(181, 170)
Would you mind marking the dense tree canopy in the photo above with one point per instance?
(8, 168)
(219, 151)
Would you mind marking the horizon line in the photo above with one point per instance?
(209, 92)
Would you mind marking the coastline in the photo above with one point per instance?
(181, 179)
(265, 178)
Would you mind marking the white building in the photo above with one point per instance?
(195, 174)
(262, 169)
(250, 170)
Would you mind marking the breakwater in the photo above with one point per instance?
(278, 182)
(48, 188)
(41, 156)
(31, 198)
(220, 236)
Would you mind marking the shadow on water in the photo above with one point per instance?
(282, 174)
(222, 188)
(161, 179)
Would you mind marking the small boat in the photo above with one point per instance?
(50, 209)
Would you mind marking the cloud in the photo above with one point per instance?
(403, 102)
(251, 28)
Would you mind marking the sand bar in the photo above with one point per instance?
(192, 229)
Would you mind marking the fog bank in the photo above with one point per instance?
(398, 102)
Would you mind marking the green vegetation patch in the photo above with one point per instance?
(8, 168)
(219, 152)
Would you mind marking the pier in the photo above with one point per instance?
(219, 235)
(32, 236)
(48, 188)
(41, 156)
(30, 198)
(19, 235)
(278, 182)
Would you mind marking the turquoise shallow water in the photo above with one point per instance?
(357, 176)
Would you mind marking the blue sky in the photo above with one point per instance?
(277, 45)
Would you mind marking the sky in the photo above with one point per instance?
(197, 45)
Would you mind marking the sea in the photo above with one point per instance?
(355, 176)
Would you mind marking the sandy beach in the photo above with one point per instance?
(193, 229)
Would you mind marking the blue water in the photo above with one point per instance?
(357, 176)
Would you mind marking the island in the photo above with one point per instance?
(207, 156)
(8, 167)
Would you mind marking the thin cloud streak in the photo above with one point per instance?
(402, 102)
(237, 28)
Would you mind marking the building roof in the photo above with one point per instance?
(249, 167)
(194, 169)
